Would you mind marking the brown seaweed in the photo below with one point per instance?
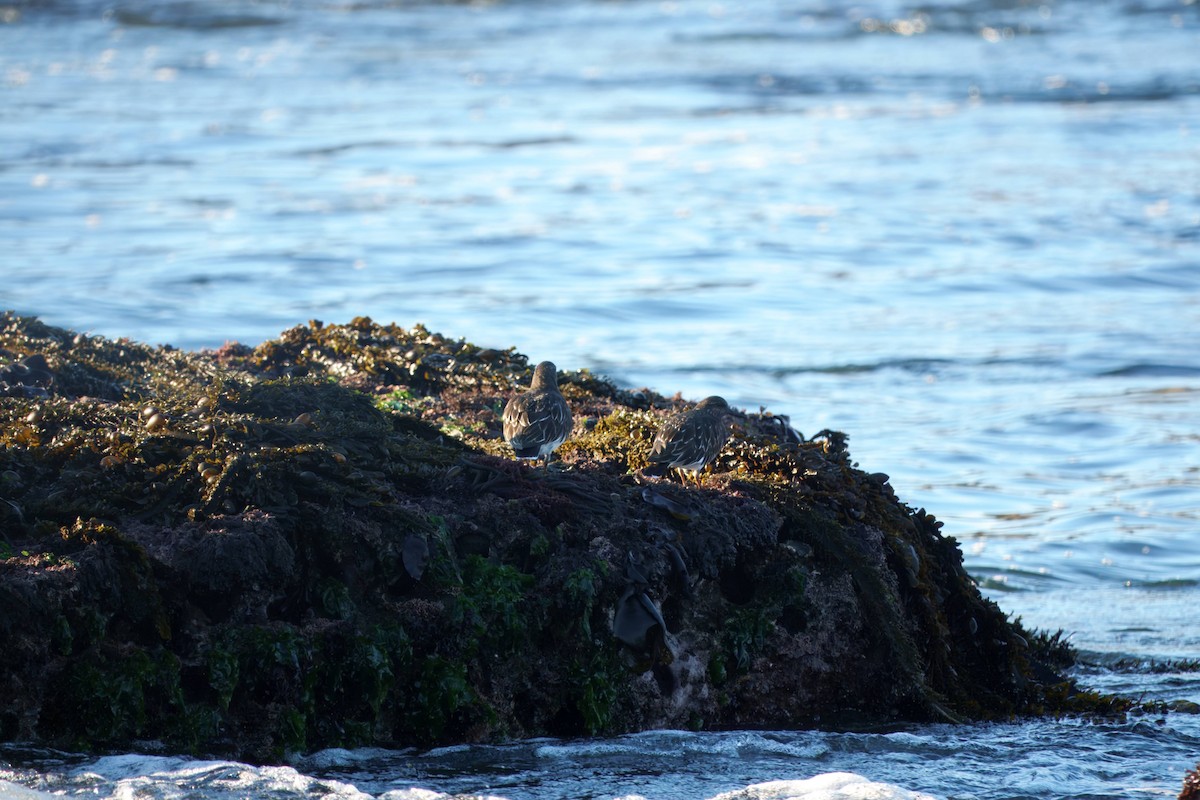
(322, 541)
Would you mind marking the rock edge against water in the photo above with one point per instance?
(322, 542)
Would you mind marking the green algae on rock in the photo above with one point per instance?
(321, 541)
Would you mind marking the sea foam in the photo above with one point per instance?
(830, 786)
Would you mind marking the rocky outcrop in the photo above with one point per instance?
(322, 541)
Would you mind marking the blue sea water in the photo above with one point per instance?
(965, 232)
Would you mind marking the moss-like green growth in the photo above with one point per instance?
(492, 606)
(110, 696)
(323, 541)
(598, 681)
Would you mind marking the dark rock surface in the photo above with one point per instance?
(322, 542)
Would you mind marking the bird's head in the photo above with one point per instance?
(545, 376)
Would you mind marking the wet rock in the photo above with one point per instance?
(322, 541)
(29, 376)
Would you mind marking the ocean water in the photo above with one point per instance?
(965, 232)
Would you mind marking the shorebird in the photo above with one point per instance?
(690, 439)
(536, 422)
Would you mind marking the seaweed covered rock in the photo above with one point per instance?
(323, 541)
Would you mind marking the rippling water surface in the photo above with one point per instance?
(966, 233)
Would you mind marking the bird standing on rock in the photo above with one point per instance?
(690, 439)
(536, 422)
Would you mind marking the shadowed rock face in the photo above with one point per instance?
(320, 542)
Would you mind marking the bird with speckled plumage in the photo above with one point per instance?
(689, 440)
(536, 422)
